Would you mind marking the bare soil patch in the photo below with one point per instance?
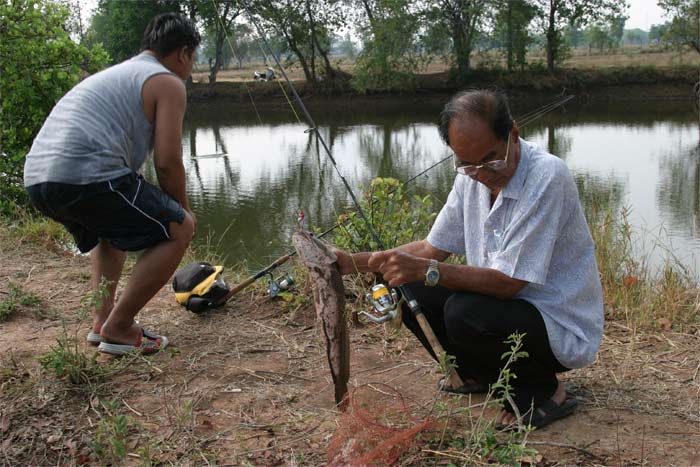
(249, 385)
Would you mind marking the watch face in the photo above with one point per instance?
(433, 276)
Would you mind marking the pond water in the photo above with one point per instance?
(250, 172)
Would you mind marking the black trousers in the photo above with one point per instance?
(473, 327)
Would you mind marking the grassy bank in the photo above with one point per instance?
(636, 294)
(217, 397)
(609, 83)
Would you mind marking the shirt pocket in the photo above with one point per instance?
(494, 241)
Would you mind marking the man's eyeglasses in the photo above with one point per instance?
(493, 166)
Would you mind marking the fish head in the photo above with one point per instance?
(313, 251)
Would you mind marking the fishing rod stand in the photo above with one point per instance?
(405, 290)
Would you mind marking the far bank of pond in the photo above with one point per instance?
(624, 83)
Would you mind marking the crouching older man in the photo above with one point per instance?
(515, 214)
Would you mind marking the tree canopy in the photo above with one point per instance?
(39, 63)
(119, 25)
(684, 29)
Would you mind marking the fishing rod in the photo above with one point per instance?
(525, 119)
(405, 290)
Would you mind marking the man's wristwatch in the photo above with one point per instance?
(432, 275)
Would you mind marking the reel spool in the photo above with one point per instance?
(385, 302)
(279, 285)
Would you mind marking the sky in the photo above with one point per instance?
(642, 13)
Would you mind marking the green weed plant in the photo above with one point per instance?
(16, 299)
(69, 361)
(109, 443)
(482, 443)
(27, 227)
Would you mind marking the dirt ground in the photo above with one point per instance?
(250, 385)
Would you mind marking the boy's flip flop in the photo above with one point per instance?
(148, 343)
(94, 338)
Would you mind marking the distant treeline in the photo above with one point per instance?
(390, 41)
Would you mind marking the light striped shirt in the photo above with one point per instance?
(535, 232)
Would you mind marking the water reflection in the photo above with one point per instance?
(255, 177)
(678, 191)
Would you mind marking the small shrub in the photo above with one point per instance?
(68, 362)
(482, 443)
(633, 290)
(15, 299)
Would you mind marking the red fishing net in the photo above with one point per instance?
(376, 428)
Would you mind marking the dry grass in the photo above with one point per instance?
(635, 293)
(31, 229)
(580, 59)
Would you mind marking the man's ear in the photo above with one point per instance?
(184, 54)
(516, 131)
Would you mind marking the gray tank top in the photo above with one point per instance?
(98, 131)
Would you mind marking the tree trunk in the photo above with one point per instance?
(193, 18)
(214, 69)
(219, 46)
(461, 17)
(551, 36)
(316, 46)
(370, 15)
(509, 35)
(310, 78)
(330, 72)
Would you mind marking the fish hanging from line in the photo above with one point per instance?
(329, 301)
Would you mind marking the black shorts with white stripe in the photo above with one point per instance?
(128, 211)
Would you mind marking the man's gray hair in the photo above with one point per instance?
(489, 106)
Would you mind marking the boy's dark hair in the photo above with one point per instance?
(167, 32)
(490, 106)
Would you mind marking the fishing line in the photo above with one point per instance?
(406, 292)
(235, 56)
(283, 259)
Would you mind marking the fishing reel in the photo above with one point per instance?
(385, 303)
(279, 285)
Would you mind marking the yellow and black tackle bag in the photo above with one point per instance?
(199, 286)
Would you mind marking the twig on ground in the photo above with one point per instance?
(130, 408)
(29, 275)
(456, 455)
(392, 368)
(285, 443)
(569, 446)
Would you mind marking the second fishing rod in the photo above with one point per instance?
(523, 120)
(406, 292)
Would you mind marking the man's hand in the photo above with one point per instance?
(398, 267)
(345, 263)
(194, 220)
